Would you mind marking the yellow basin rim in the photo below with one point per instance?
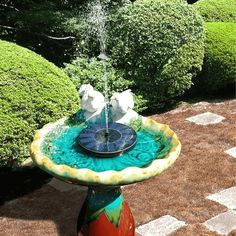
(111, 177)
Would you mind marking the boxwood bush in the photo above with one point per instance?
(33, 92)
(217, 10)
(159, 45)
(91, 71)
(219, 69)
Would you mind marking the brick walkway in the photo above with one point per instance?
(197, 196)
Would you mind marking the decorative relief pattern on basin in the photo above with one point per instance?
(110, 177)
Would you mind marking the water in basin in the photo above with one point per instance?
(61, 147)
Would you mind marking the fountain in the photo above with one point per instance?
(103, 146)
(105, 139)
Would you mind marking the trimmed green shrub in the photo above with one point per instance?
(217, 10)
(159, 45)
(91, 71)
(33, 92)
(219, 69)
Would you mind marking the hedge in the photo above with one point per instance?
(219, 69)
(159, 45)
(33, 92)
(217, 10)
(91, 71)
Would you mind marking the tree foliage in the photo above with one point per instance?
(52, 28)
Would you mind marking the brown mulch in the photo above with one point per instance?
(202, 169)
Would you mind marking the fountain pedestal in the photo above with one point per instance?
(105, 212)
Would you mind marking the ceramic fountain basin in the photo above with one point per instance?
(107, 175)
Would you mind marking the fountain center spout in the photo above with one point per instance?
(107, 134)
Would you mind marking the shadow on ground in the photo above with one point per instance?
(33, 209)
(17, 183)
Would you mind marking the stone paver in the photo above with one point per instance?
(128, 186)
(206, 118)
(225, 197)
(160, 227)
(223, 223)
(231, 152)
(63, 186)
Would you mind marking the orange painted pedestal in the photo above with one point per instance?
(105, 213)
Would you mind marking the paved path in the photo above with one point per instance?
(197, 196)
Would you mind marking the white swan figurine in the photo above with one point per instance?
(92, 102)
(122, 105)
(84, 89)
